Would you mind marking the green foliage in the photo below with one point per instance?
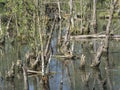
(23, 10)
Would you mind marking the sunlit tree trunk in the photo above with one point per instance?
(38, 30)
(94, 16)
(59, 35)
(41, 42)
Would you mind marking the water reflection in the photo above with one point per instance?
(65, 73)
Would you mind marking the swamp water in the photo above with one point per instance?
(66, 72)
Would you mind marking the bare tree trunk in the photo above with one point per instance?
(42, 50)
(106, 48)
(94, 16)
(82, 62)
(8, 23)
(81, 8)
(48, 65)
(16, 22)
(67, 34)
(98, 55)
(0, 26)
(97, 60)
(59, 35)
(49, 39)
(40, 34)
(26, 87)
(94, 22)
(71, 14)
(59, 9)
(109, 23)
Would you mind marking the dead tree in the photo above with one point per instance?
(41, 37)
(105, 47)
(59, 35)
(94, 16)
(26, 87)
(97, 58)
(112, 8)
(67, 34)
(0, 26)
(49, 39)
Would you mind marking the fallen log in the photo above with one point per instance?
(66, 57)
(34, 72)
(92, 36)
